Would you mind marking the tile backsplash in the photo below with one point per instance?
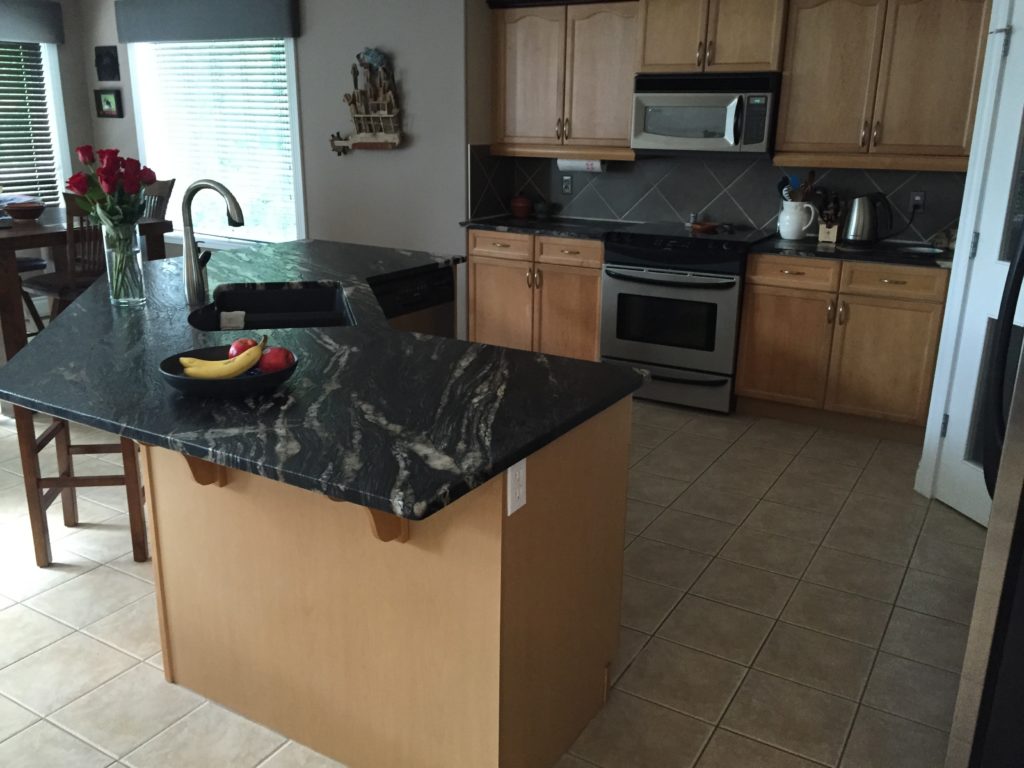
(737, 189)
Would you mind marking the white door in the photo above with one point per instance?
(992, 214)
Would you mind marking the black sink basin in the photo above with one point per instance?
(274, 305)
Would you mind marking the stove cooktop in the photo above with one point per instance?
(676, 247)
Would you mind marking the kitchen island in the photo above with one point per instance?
(338, 560)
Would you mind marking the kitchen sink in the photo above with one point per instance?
(242, 306)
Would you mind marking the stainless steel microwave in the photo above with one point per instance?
(705, 112)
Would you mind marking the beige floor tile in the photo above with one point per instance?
(954, 561)
(90, 597)
(133, 629)
(112, 496)
(890, 481)
(127, 711)
(89, 516)
(628, 539)
(5, 602)
(683, 679)
(654, 489)
(13, 718)
(774, 434)
(937, 596)
(851, 617)
(646, 436)
(738, 477)
(912, 690)
(879, 739)
(807, 469)
(683, 457)
(840, 448)
(744, 587)
(856, 574)
(765, 550)
(893, 547)
(730, 750)
(61, 672)
(717, 629)
(720, 427)
(566, 761)
(790, 716)
(927, 639)
(639, 515)
(293, 755)
(816, 660)
(947, 524)
(813, 496)
(882, 514)
(208, 736)
(637, 453)
(630, 733)
(660, 414)
(103, 541)
(664, 563)
(46, 746)
(645, 605)
(24, 631)
(127, 564)
(156, 661)
(900, 454)
(21, 578)
(631, 643)
(793, 522)
(754, 454)
(700, 534)
(708, 501)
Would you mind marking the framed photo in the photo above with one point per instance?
(107, 67)
(108, 103)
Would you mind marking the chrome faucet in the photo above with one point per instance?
(196, 287)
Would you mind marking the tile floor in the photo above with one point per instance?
(789, 603)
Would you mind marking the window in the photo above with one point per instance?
(222, 110)
(29, 158)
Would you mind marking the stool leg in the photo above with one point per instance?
(66, 468)
(133, 486)
(30, 470)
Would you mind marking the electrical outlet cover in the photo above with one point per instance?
(567, 185)
(917, 200)
(515, 487)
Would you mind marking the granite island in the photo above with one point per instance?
(338, 560)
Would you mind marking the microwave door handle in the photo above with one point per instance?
(737, 122)
(711, 284)
(732, 113)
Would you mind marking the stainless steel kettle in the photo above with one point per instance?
(863, 216)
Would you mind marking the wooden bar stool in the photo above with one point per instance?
(41, 491)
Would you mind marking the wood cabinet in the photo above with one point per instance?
(711, 35)
(881, 83)
(866, 345)
(564, 80)
(546, 299)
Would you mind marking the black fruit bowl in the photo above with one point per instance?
(249, 383)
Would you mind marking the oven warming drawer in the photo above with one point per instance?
(682, 387)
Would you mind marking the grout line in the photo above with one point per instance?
(204, 703)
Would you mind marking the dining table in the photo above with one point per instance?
(49, 231)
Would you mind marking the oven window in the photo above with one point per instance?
(667, 322)
(686, 122)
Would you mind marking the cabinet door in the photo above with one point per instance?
(744, 35)
(529, 74)
(829, 75)
(599, 56)
(883, 358)
(785, 338)
(500, 302)
(672, 35)
(929, 76)
(567, 314)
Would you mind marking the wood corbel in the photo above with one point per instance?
(206, 472)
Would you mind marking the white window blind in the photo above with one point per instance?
(220, 110)
(28, 159)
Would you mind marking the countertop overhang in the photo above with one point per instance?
(396, 421)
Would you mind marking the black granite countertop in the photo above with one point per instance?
(883, 252)
(396, 421)
(587, 229)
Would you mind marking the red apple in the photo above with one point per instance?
(275, 359)
(238, 346)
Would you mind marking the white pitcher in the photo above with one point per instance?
(796, 219)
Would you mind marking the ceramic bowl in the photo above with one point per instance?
(249, 383)
(25, 211)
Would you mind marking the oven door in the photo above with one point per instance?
(687, 121)
(670, 319)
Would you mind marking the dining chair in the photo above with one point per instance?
(31, 264)
(158, 194)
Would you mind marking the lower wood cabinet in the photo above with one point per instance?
(567, 311)
(500, 302)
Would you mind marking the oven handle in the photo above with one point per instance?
(692, 382)
(711, 284)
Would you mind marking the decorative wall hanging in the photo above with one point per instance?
(108, 102)
(374, 106)
(107, 67)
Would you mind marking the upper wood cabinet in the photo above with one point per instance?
(711, 35)
(564, 80)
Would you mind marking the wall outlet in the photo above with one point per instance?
(515, 487)
(567, 185)
(917, 201)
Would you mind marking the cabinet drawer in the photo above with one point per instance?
(570, 252)
(793, 272)
(894, 281)
(507, 245)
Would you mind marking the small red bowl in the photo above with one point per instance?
(25, 211)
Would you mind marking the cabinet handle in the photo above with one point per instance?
(537, 278)
(700, 53)
(567, 126)
(529, 278)
(711, 53)
(842, 313)
(864, 133)
(791, 272)
(830, 312)
(501, 245)
(558, 128)
(887, 281)
(567, 252)
(876, 134)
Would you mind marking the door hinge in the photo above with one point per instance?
(1006, 32)
(945, 425)
(974, 245)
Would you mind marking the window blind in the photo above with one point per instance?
(28, 162)
(220, 110)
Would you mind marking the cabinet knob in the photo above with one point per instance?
(711, 53)
(830, 312)
(558, 128)
(700, 53)
(567, 126)
(501, 245)
(792, 272)
(887, 281)
(529, 278)
(568, 252)
(537, 278)
(876, 134)
(864, 133)
(842, 313)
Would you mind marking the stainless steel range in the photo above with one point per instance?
(671, 304)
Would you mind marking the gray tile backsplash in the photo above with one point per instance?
(739, 190)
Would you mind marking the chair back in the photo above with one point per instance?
(158, 194)
(84, 251)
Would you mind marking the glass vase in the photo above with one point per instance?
(124, 265)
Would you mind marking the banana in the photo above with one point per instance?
(223, 369)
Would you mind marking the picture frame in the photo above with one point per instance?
(107, 66)
(108, 102)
